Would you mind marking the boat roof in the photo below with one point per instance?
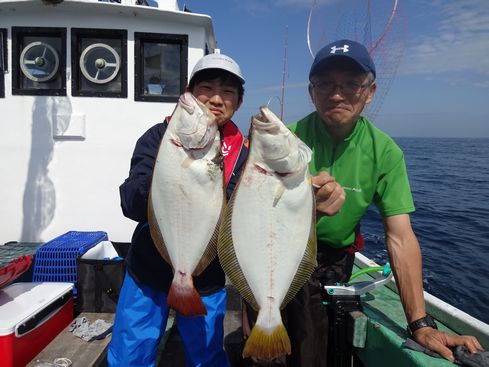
(168, 9)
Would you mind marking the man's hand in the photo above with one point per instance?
(439, 341)
(329, 194)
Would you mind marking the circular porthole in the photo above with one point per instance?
(39, 61)
(100, 63)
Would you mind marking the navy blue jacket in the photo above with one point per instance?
(144, 262)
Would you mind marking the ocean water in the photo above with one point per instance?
(450, 184)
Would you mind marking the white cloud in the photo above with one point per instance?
(460, 42)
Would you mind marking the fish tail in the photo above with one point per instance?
(267, 346)
(184, 298)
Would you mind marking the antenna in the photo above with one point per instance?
(283, 75)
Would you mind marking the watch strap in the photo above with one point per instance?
(427, 321)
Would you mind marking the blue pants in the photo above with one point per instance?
(141, 319)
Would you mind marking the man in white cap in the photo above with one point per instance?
(142, 311)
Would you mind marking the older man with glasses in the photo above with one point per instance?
(368, 167)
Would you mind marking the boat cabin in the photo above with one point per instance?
(80, 82)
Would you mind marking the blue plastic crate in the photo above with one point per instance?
(55, 261)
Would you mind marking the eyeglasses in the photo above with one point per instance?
(349, 88)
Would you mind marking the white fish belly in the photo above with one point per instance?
(187, 197)
(270, 233)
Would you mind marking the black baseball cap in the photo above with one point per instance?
(343, 48)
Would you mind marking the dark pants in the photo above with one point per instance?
(305, 316)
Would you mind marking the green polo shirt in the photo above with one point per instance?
(369, 166)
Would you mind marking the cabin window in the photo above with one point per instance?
(38, 61)
(160, 66)
(3, 60)
(99, 63)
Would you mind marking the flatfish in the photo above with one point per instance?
(267, 239)
(186, 199)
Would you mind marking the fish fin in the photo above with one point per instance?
(265, 346)
(187, 162)
(308, 262)
(184, 298)
(155, 232)
(278, 194)
(227, 255)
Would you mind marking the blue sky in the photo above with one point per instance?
(441, 88)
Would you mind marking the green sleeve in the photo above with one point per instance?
(393, 193)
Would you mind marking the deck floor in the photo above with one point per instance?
(78, 351)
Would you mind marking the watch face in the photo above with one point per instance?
(431, 321)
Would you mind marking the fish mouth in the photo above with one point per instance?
(186, 100)
(189, 103)
(266, 120)
(264, 114)
(199, 132)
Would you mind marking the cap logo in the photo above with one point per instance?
(345, 48)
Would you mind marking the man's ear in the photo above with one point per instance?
(239, 104)
(371, 92)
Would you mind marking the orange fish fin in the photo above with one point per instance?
(265, 346)
(184, 298)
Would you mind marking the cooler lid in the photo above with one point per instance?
(21, 301)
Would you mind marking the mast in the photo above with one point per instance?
(284, 76)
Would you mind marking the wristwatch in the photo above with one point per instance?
(427, 321)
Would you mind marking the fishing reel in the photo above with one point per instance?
(344, 306)
(359, 288)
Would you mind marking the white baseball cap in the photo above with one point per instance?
(218, 61)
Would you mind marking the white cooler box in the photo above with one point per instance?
(31, 315)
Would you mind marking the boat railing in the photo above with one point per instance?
(454, 318)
